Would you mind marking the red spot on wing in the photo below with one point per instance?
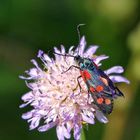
(104, 81)
(87, 75)
(99, 88)
(83, 76)
(92, 89)
(107, 101)
(100, 100)
(81, 72)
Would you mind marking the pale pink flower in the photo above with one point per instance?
(56, 98)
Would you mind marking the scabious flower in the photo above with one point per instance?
(56, 98)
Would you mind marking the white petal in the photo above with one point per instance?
(40, 53)
(46, 127)
(100, 58)
(57, 56)
(47, 58)
(56, 50)
(115, 69)
(27, 115)
(33, 72)
(77, 131)
(59, 131)
(90, 51)
(118, 79)
(69, 126)
(23, 105)
(25, 78)
(34, 122)
(62, 49)
(28, 96)
(100, 116)
(66, 132)
(70, 49)
(35, 63)
(87, 119)
(81, 46)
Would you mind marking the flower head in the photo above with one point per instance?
(56, 98)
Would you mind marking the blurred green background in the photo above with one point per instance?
(29, 25)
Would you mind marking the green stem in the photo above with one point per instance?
(83, 137)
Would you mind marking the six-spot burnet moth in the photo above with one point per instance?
(99, 85)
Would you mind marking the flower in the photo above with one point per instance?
(56, 98)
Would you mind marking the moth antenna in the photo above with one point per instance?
(78, 30)
(79, 36)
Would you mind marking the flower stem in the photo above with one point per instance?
(83, 135)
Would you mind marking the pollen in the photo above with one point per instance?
(99, 88)
(83, 122)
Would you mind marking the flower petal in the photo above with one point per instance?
(59, 131)
(87, 119)
(100, 116)
(115, 69)
(40, 53)
(35, 63)
(46, 127)
(28, 96)
(118, 79)
(81, 46)
(62, 49)
(28, 115)
(69, 126)
(41, 56)
(47, 58)
(90, 51)
(57, 57)
(25, 78)
(34, 122)
(66, 132)
(23, 105)
(70, 50)
(77, 131)
(100, 58)
(32, 72)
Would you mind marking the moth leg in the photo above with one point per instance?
(75, 87)
(89, 93)
(72, 66)
(79, 82)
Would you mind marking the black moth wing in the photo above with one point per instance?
(104, 106)
(114, 89)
